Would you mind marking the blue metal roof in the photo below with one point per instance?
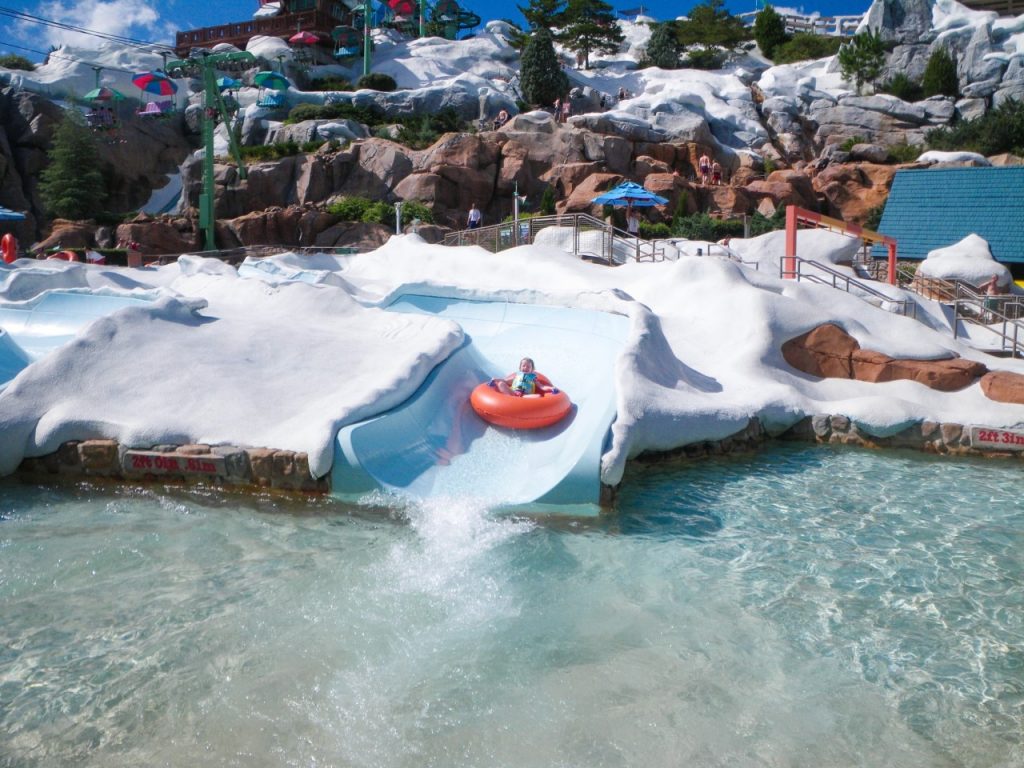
(929, 209)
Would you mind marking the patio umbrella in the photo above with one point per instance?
(155, 82)
(304, 38)
(226, 83)
(275, 81)
(103, 94)
(629, 193)
(402, 7)
(6, 214)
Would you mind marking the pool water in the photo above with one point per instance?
(802, 607)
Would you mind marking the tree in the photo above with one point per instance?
(862, 58)
(546, 14)
(13, 61)
(540, 72)
(72, 185)
(590, 26)
(663, 47)
(940, 75)
(769, 31)
(709, 25)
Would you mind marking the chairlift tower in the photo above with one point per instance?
(206, 63)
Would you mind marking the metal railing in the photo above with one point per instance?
(591, 238)
(823, 274)
(1001, 315)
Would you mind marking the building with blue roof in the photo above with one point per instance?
(935, 208)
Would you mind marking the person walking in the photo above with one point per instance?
(475, 218)
(704, 166)
(632, 221)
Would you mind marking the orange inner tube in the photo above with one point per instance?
(64, 256)
(9, 247)
(529, 412)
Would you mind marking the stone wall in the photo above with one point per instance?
(179, 464)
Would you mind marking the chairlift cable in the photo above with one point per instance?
(123, 39)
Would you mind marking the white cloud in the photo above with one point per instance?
(131, 18)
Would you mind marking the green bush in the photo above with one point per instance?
(704, 58)
(760, 224)
(940, 78)
(276, 151)
(902, 87)
(999, 130)
(904, 153)
(862, 57)
(652, 231)
(547, 201)
(349, 208)
(851, 142)
(414, 209)
(377, 81)
(329, 84)
(700, 226)
(805, 46)
(874, 218)
(13, 61)
(334, 112)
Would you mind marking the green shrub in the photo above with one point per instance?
(414, 209)
(349, 208)
(862, 57)
(13, 61)
(940, 78)
(312, 146)
(704, 58)
(700, 226)
(904, 153)
(851, 142)
(377, 81)
(654, 231)
(329, 84)
(547, 201)
(902, 87)
(874, 218)
(805, 46)
(999, 130)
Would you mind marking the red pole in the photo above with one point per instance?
(789, 261)
(892, 263)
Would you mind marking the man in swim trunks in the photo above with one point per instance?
(523, 382)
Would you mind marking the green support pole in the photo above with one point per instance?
(423, 29)
(366, 37)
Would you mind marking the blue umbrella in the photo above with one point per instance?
(225, 83)
(6, 214)
(629, 193)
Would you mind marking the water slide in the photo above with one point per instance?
(435, 446)
(31, 329)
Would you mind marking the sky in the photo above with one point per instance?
(158, 22)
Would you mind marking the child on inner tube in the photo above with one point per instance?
(524, 382)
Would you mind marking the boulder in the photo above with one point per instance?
(824, 351)
(851, 191)
(159, 235)
(1003, 387)
(829, 352)
(67, 234)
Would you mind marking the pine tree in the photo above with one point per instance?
(540, 72)
(940, 76)
(545, 14)
(72, 186)
(590, 27)
(769, 31)
(663, 47)
(862, 58)
(709, 24)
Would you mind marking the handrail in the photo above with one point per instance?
(499, 237)
(985, 311)
(844, 282)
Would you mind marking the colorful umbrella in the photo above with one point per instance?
(304, 38)
(629, 193)
(402, 7)
(226, 83)
(275, 81)
(103, 94)
(156, 82)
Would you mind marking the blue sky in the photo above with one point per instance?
(158, 22)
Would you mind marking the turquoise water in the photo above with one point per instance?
(804, 607)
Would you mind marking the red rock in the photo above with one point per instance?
(1003, 387)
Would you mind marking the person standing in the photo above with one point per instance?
(475, 218)
(704, 166)
(716, 173)
(632, 221)
(566, 109)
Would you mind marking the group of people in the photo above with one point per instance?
(710, 172)
(563, 109)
